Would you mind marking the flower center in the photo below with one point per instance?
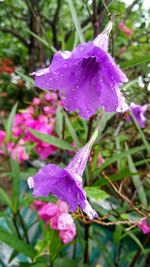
(88, 68)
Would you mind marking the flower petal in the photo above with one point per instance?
(53, 180)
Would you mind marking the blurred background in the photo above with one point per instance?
(31, 31)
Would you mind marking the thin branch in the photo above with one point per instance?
(55, 18)
(124, 197)
(101, 221)
(95, 20)
(55, 22)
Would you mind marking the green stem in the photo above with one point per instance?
(16, 226)
(23, 227)
(106, 8)
(90, 126)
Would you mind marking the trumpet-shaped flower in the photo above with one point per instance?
(66, 184)
(87, 78)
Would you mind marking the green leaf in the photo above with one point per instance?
(135, 61)
(136, 179)
(76, 21)
(72, 131)
(95, 192)
(124, 173)
(119, 156)
(38, 264)
(59, 122)
(117, 234)
(118, 149)
(13, 255)
(4, 198)
(52, 140)
(16, 243)
(10, 123)
(137, 241)
(62, 262)
(15, 184)
(142, 162)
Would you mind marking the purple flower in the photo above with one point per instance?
(87, 78)
(66, 184)
(144, 227)
(138, 111)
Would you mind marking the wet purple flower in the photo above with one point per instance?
(66, 184)
(144, 227)
(87, 78)
(138, 111)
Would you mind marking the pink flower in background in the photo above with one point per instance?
(68, 235)
(63, 207)
(144, 227)
(18, 151)
(58, 217)
(18, 125)
(37, 204)
(49, 110)
(36, 101)
(51, 96)
(100, 160)
(2, 138)
(122, 27)
(48, 211)
(122, 50)
(44, 150)
(65, 221)
(40, 116)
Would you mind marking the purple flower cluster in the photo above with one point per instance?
(86, 78)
